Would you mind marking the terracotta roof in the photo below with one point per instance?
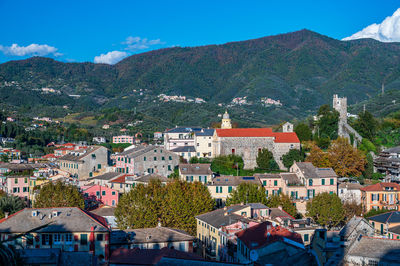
(381, 187)
(286, 137)
(245, 132)
(120, 179)
(261, 235)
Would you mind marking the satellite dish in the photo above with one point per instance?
(253, 255)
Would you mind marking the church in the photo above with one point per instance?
(247, 142)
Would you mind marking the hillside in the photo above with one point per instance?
(301, 69)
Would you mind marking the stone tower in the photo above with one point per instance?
(226, 121)
(287, 127)
(340, 105)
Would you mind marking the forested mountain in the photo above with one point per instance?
(301, 69)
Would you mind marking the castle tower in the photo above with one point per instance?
(226, 121)
(287, 127)
(340, 105)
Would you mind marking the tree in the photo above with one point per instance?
(265, 160)
(369, 167)
(10, 204)
(352, 209)
(292, 156)
(326, 209)
(327, 122)
(247, 193)
(345, 159)
(174, 205)
(318, 157)
(227, 165)
(141, 207)
(366, 125)
(284, 201)
(303, 132)
(59, 195)
(4, 158)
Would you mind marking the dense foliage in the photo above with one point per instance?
(173, 205)
(326, 209)
(247, 193)
(292, 156)
(265, 161)
(58, 195)
(283, 201)
(10, 204)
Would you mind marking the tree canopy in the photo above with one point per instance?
(326, 209)
(284, 201)
(265, 160)
(10, 204)
(366, 125)
(59, 195)
(341, 156)
(292, 156)
(174, 205)
(303, 132)
(327, 122)
(247, 193)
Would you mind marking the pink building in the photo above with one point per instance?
(103, 194)
(124, 139)
(18, 186)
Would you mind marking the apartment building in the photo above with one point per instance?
(380, 196)
(195, 172)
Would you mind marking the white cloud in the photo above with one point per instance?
(387, 31)
(138, 43)
(110, 57)
(32, 49)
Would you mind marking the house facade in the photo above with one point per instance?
(69, 229)
(380, 196)
(84, 163)
(123, 139)
(18, 186)
(147, 160)
(203, 141)
(103, 194)
(195, 172)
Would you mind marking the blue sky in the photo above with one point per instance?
(77, 31)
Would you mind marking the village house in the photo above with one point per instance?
(84, 163)
(209, 225)
(350, 192)
(273, 245)
(221, 186)
(147, 159)
(388, 162)
(383, 223)
(108, 213)
(123, 183)
(195, 172)
(101, 194)
(104, 179)
(152, 238)
(203, 141)
(180, 137)
(123, 139)
(18, 186)
(380, 196)
(186, 152)
(145, 179)
(69, 229)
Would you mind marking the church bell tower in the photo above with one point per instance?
(226, 121)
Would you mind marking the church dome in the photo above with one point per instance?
(226, 115)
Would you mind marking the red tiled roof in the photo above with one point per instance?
(381, 187)
(280, 137)
(244, 132)
(120, 179)
(257, 236)
(51, 155)
(286, 137)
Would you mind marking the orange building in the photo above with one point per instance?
(380, 196)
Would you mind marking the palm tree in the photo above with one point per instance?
(11, 204)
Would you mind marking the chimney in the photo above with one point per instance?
(159, 223)
(280, 207)
(6, 215)
(242, 203)
(225, 208)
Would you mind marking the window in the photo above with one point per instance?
(97, 193)
(169, 168)
(264, 183)
(310, 182)
(68, 238)
(156, 246)
(229, 189)
(233, 151)
(332, 181)
(163, 158)
(83, 239)
(46, 239)
(57, 238)
(209, 144)
(144, 158)
(155, 150)
(26, 180)
(16, 181)
(113, 203)
(305, 237)
(155, 158)
(322, 181)
(99, 166)
(170, 158)
(103, 193)
(99, 237)
(182, 246)
(275, 183)
(113, 193)
(25, 189)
